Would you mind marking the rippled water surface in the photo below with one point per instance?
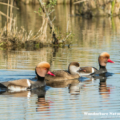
(66, 99)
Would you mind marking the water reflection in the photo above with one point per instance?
(61, 84)
(70, 93)
(16, 94)
(42, 104)
(74, 88)
(103, 89)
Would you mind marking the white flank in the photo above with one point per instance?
(84, 74)
(17, 88)
(28, 82)
(93, 70)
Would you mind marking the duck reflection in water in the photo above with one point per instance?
(74, 90)
(74, 86)
(61, 84)
(42, 105)
(16, 94)
(103, 89)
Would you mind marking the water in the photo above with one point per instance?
(68, 99)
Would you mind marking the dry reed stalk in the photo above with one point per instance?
(9, 5)
(7, 17)
(78, 2)
(11, 14)
(55, 41)
(12, 35)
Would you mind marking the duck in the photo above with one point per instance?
(25, 84)
(70, 74)
(103, 59)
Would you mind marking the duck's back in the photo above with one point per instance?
(61, 75)
(88, 70)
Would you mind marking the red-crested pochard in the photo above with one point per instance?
(23, 84)
(103, 59)
(60, 75)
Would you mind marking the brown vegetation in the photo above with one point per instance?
(10, 35)
(89, 8)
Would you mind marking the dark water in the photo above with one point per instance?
(67, 99)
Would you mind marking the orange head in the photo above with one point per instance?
(45, 65)
(104, 58)
(42, 68)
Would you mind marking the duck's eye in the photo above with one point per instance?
(107, 57)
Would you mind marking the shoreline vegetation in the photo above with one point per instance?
(88, 8)
(99, 8)
(10, 36)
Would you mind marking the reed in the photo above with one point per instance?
(10, 35)
(14, 36)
